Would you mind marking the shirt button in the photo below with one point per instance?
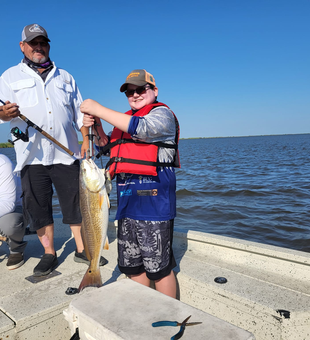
(50, 112)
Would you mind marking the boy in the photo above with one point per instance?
(143, 154)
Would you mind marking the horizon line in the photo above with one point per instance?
(9, 145)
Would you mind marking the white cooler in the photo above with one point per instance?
(126, 310)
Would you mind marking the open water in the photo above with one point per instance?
(253, 188)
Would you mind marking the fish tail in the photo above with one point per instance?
(92, 278)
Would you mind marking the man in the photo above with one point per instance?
(12, 226)
(49, 97)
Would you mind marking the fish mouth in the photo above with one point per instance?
(91, 176)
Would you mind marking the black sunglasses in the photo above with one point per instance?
(139, 90)
(35, 43)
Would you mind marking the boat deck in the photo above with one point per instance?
(28, 308)
(267, 290)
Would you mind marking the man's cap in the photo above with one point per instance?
(32, 31)
(139, 78)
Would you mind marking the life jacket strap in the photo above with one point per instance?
(137, 161)
(104, 149)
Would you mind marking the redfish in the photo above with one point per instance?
(94, 204)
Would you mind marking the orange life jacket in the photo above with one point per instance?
(137, 157)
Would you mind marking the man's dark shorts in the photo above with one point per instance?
(145, 246)
(37, 186)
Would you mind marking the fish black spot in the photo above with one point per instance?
(89, 271)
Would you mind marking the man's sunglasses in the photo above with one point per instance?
(35, 43)
(139, 90)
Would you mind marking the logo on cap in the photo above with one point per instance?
(36, 28)
(133, 74)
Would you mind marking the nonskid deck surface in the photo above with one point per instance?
(267, 290)
(27, 306)
(261, 280)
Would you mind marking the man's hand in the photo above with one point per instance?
(88, 120)
(9, 111)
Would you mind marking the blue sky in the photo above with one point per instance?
(225, 67)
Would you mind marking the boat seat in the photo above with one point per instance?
(126, 310)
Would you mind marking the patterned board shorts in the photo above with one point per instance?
(145, 246)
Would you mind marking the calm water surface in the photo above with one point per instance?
(253, 188)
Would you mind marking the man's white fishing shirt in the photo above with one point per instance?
(53, 105)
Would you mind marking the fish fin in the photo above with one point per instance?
(87, 253)
(108, 200)
(106, 244)
(84, 238)
(101, 200)
(91, 279)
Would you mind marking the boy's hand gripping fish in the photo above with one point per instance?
(94, 204)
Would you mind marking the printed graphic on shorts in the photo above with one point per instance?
(147, 241)
(128, 248)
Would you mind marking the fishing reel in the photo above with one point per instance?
(16, 132)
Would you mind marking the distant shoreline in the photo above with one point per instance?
(6, 145)
(281, 134)
(9, 145)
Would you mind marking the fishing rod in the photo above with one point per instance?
(24, 136)
(91, 136)
(91, 140)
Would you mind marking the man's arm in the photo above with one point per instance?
(85, 144)
(100, 138)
